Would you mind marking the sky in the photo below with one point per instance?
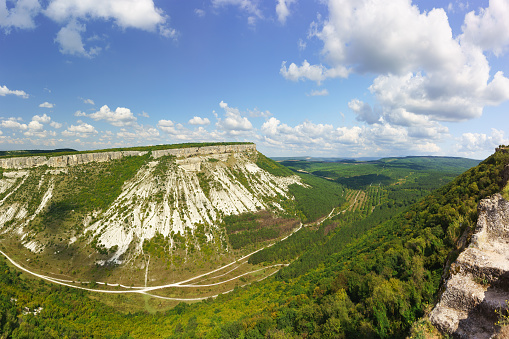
(335, 78)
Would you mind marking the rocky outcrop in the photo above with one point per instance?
(84, 158)
(206, 150)
(479, 281)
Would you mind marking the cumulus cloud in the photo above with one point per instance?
(5, 91)
(233, 122)
(20, 15)
(47, 105)
(120, 117)
(283, 10)
(490, 28)
(477, 144)
(55, 125)
(145, 133)
(42, 119)
(12, 123)
(380, 138)
(170, 127)
(69, 39)
(420, 68)
(141, 14)
(319, 93)
(35, 126)
(364, 112)
(307, 71)
(83, 130)
(199, 121)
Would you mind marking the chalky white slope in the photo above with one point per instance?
(166, 197)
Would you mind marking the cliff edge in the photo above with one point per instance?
(479, 280)
(85, 158)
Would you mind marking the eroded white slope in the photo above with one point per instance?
(173, 201)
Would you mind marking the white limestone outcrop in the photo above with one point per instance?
(479, 281)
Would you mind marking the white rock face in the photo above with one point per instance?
(173, 193)
(479, 278)
(175, 202)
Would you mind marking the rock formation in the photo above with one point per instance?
(84, 158)
(479, 280)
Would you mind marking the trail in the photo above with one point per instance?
(144, 289)
(146, 271)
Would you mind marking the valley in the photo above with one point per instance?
(292, 246)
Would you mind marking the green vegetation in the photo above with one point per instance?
(24, 153)
(254, 229)
(318, 199)
(369, 271)
(83, 189)
(271, 166)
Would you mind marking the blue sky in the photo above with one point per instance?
(339, 78)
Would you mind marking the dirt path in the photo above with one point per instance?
(145, 289)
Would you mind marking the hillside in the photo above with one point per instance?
(362, 272)
(105, 216)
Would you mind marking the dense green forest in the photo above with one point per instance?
(370, 270)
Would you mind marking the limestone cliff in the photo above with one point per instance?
(84, 158)
(479, 279)
(173, 193)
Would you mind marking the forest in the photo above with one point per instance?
(371, 270)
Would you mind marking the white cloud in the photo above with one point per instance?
(307, 71)
(283, 10)
(199, 12)
(259, 114)
(5, 91)
(144, 115)
(47, 105)
(421, 68)
(364, 112)
(490, 28)
(477, 144)
(199, 121)
(120, 117)
(319, 93)
(83, 130)
(148, 133)
(69, 39)
(56, 125)
(140, 14)
(35, 126)
(302, 45)
(80, 114)
(169, 126)
(233, 122)
(377, 139)
(88, 101)
(13, 124)
(43, 119)
(21, 15)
